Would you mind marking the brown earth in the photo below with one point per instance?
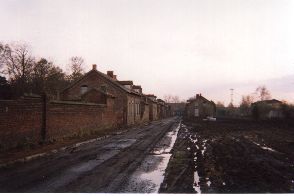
(232, 156)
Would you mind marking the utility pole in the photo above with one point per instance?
(232, 94)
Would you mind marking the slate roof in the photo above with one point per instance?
(271, 101)
(113, 81)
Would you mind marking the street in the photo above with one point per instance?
(108, 165)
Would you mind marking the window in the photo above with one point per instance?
(196, 113)
(104, 88)
(84, 88)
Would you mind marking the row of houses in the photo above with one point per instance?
(199, 107)
(96, 103)
(130, 105)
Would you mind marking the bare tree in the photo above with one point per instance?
(2, 53)
(171, 98)
(17, 62)
(76, 66)
(175, 99)
(246, 102)
(167, 98)
(263, 93)
(220, 104)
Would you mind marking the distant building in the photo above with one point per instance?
(177, 109)
(200, 107)
(153, 107)
(267, 109)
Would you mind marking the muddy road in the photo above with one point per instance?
(119, 163)
(232, 157)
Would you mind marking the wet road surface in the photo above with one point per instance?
(109, 165)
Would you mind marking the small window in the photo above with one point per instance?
(104, 88)
(84, 88)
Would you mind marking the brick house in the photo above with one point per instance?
(200, 107)
(97, 87)
(268, 109)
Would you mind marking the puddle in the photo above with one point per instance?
(124, 143)
(196, 185)
(204, 147)
(208, 182)
(193, 140)
(264, 147)
(149, 176)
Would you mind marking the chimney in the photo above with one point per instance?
(110, 74)
(114, 77)
(94, 67)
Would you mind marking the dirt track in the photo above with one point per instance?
(232, 157)
(101, 166)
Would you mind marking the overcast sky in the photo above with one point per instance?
(178, 47)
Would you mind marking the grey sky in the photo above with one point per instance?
(169, 47)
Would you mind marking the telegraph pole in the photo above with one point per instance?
(232, 94)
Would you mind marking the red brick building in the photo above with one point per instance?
(93, 104)
(200, 107)
(129, 104)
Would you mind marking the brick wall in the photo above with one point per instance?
(21, 120)
(66, 119)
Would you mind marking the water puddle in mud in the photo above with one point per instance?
(264, 147)
(196, 183)
(149, 176)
